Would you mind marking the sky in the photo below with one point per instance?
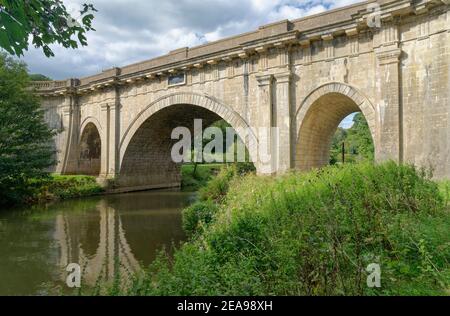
(129, 31)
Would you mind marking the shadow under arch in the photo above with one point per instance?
(318, 118)
(89, 150)
(145, 149)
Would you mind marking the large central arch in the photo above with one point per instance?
(145, 160)
(318, 118)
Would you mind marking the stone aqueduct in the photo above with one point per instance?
(302, 76)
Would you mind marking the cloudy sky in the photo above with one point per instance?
(129, 31)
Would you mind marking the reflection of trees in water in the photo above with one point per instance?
(26, 254)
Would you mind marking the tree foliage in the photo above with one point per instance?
(26, 148)
(358, 142)
(45, 21)
(39, 77)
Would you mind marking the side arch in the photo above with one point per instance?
(327, 100)
(201, 100)
(93, 120)
(89, 148)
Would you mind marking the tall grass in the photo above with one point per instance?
(313, 234)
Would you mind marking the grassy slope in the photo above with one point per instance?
(312, 234)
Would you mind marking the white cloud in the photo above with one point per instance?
(130, 31)
(348, 121)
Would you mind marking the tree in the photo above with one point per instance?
(358, 142)
(336, 145)
(360, 138)
(25, 140)
(45, 21)
(39, 77)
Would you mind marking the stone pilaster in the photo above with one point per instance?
(110, 162)
(263, 58)
(306, 52)
(329, 46)
(104, 164)
(71, 121)
(283, 120)
(353, 39)
(266, 163)
(63, 137)
(389, 105)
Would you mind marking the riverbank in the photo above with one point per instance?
(310, 234)
(62, 187)
(58, 187)
(194, 177)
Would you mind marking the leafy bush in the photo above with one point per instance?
(195, 177)
(218, 187)
(198, 216)
(65, 187)
(314, 234)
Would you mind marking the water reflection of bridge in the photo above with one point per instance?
(113, 254)
(115, 234)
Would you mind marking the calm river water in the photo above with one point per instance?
(101, 234)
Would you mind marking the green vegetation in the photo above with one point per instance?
(445, 190)
(39, 77)
(26, 148)
(199, 215)
(310, 234)
(58, 187)
(358, 142)
(25, 140)
(45, 22)
(196, 176)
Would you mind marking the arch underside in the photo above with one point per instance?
(147, 162)
(89, 162)
(319, 119)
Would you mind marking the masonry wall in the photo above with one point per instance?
(55, 114)
(425, 66)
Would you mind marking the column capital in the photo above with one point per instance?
(390, 56)
(66, 110)
(283, 77)
(104, 106)
(264, 79)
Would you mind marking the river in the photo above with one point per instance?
(104, 235)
